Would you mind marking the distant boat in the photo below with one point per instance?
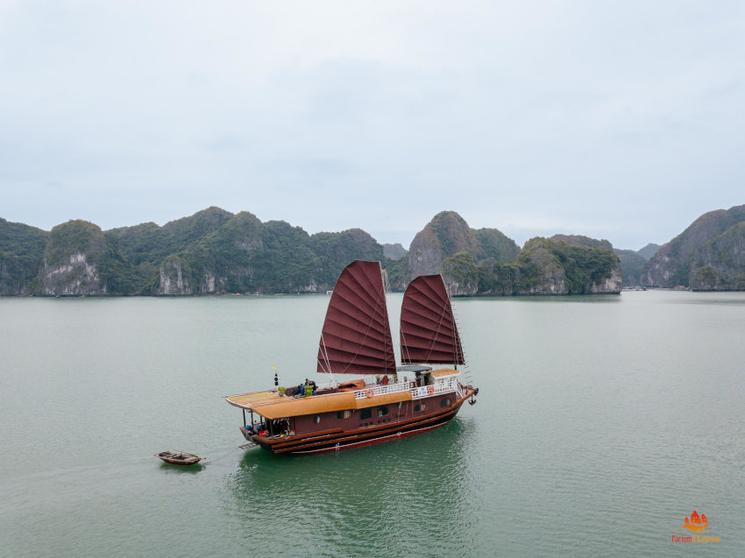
(356, 339)
(179, 458)
(329, 292)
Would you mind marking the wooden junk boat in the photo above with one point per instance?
(390, 402)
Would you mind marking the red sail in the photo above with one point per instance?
(428, 330)
(356, 336)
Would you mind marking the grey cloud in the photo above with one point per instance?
(621, 120)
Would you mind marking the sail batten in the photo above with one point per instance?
(424, 324)
(356, 335)
(429, 333)
(357, 297)
(356, 327)
(347, 316)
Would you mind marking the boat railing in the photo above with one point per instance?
(372, 391)
(448, 385)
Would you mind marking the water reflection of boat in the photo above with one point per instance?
(382, 506)
(356, 339)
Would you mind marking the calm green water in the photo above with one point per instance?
(601, 423)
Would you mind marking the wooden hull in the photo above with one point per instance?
(338, 439)
(179, 458)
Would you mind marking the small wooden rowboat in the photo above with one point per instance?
(179, 457)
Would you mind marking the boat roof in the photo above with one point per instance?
(444, 372)
(272, 405)
(413, 368)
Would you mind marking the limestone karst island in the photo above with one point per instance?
(218, 252)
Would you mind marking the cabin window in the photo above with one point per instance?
(343, 414)
(317, 419)
(382, 411)
(365, 414)
(419, 407)
(445, 402)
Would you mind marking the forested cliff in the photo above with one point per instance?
(215, 252)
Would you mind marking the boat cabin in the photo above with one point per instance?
(350, 405)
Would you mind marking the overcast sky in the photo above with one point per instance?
(622, 120)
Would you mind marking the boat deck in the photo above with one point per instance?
(353, 395)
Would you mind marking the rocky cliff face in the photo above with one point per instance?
(705, 256)
(493, 265)
(495, 245)
(149, 243)
(210, 252)
(394, 252)
(568, 265)
(625, 270)
(632, 267)
(75, 277)
(221, 261)
(486, 262)
(461, 274)
(649, 251)
(608, 285)
(448, 234)
(540, 270)
(720, 264)
(172, 279)
(214, 251)
(549, 267)
(246, 255)
(445, 235)
(72, 260)
(634, 263)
